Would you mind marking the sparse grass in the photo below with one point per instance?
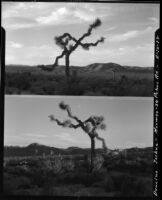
(66, 177)
(125, 84)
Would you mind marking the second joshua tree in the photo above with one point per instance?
(64, 42)
(89, 126)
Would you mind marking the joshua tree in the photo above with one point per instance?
(69, 44)
(89, 126)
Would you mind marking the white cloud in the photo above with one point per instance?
(28, 9)
(129, 35)
(130, 144)
(15, 45)
(43, 14)
(124, 36)
(42, 51)
(109, 29)
(82, 15)
(9, 58)
(65, 136)
(15, 26)
(154, 21)
(35, 135)
(68, 15)
(55, 17)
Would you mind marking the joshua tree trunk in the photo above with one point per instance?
(113, 75)
(89, 126)
(67, 71)
(92, 153)
(64, 41)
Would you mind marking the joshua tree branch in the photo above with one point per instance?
(58, 57)
(66, 123)
(88, 33)
(67, 35)
(68, 109)
(101, 139)
(96, 121)
(91, 27)
(63, 42)
(87, 45)
(55, 63)
(74, 126)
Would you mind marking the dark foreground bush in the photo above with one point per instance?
(136, 187)
(84, 178)
(28, 83)
(12, 184)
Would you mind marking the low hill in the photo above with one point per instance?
(36, 149)
(98, 79)
(95, 67)
(104, 67)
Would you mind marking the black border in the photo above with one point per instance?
(156, 142)
(90, 1)
(156, 131)
(2, 105)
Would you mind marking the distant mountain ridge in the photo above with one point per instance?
(95, 67)
(114, 66)
(36, 149)
(39, 150)
(104, 66)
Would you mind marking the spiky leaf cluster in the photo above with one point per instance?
(60, 42)
(95, 24)
(67, 123)
(52, 118)
(89, 126)
(64, 41)
(98, 122)
(63, 106)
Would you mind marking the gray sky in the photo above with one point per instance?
(128, 29)
(129, 121)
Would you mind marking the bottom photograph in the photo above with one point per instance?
(78, 146)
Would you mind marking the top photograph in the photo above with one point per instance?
(79, 49)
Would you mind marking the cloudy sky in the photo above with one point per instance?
(129, 121)
(128, 29)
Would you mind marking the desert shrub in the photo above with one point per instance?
(18, 170)
(36, 90)
(12, 162)
(49, 87)
(48, 189)
(24, 182)
(64, 190)
(106, 91)
(124, 79)
(20, 81)
(39, 177)
(78, 177)
(118, 180)
(34, 163)
(75, 89)
(39, 83)
(69, 166)
(28, 192)
(134, 186)
(109, 184)
(57, 166)
(13, 183)
(9, 187)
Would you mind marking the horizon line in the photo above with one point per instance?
(76, 146)
(36, 65)
(80, 97)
